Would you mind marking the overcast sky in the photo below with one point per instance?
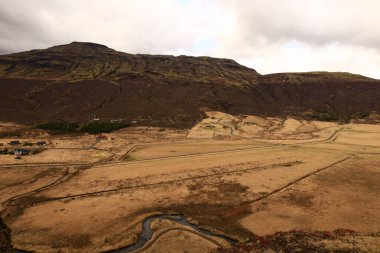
(267, 35)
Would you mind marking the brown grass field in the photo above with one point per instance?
(273, 185)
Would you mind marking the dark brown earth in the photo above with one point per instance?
(223, 216)
(297, 241)
(75, 81)
(5, 237)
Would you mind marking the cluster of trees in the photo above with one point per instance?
(75, 127)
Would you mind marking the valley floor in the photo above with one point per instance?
(269, 184)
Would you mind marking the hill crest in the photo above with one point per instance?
(75, 81)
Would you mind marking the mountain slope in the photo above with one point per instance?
(75, 81)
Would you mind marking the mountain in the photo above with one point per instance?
(76, 81)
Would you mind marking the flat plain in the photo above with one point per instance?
(267, 184)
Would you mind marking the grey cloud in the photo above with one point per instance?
(20, 30)
(134, 26)
(314, 21)
(268, 35)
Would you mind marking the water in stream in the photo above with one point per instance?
(147, 232)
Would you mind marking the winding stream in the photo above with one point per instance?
(147, 232)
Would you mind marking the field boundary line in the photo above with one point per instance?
(298, 180)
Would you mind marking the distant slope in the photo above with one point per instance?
(75, 81)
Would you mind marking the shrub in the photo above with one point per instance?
(5, 151)
(60, 126)
(102, 127)
(358, 115)
(74, 127)
(11, 133)
(324, 116)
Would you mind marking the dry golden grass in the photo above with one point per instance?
(307, 176)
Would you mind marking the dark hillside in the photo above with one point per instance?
(73, 82)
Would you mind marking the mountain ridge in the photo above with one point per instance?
(75, 81)
(86, 47)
